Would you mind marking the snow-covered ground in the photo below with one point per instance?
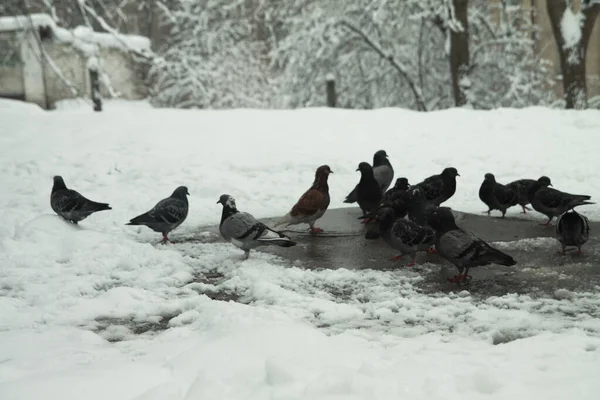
(99, 311)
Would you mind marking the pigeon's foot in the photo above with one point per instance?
(314, 230)
(525, 209)
(486, 212)
(547, 224)
(165, 239)
(563, 252)
(397, 258)
(460, 278)
(579, 252)
(431, 250)
(246, 255)
(411, 263)
(366, 220)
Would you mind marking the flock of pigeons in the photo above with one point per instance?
(409, 218)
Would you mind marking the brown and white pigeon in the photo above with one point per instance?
(462, 248)
(526, 188)
(383, 172)
(439, 188)
(572, 229)
(403, 235)
(552, 202)
(312, 204)
(497, 196)
(70, 204)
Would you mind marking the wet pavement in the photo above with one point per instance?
(540, 270)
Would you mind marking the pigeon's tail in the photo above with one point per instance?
(581, 201)
(286, 220)
(351, 198)
(93, 206)
(142, 219)
(497, 257)
(277, 238)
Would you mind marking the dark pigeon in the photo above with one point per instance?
(166, 215)
(245, 231)
(439, 188)
(383, 172)
(70, 204)
(419, 208)
(401, 185)
(463, 248)
(497, 196)
(404, 235)
(572, 229)
(552, 202)
(368, 192)
(526, 188)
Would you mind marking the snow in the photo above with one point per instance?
(100, 311)
(18, 22)
(570, 26)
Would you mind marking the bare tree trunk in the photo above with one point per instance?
(572, 55)
(459, 52)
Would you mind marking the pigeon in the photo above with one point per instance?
(368, 192)
(383, 172)
(497, 196)
(404, 235)
(526, 188)
(70, 204)
(572, 229)
(419, 209)
(400, 201)
(166, 215)
(245, 231)
(312, 204)
(439, 188)
(401, 185)
(462, 248)
(552, 202)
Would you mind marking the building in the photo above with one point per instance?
(43, 63)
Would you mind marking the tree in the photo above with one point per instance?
(572, 33)
(459, 51)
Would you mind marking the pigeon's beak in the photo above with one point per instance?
(549, 184)
(358, 169)
(330, 171)
(457, 174)
(188, 193)
(219, 202)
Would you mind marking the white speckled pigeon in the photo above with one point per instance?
(404, 235)
(70, 204)
(463, 248)
(552, 202)
(439, 188)
(312, 204)
(383, 172)
(526, 188)
(572, 229)
(245, 231)
(497, 196)
(166, 215)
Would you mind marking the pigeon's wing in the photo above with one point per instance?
(310, 202)
(170, 210)
(241, 225)
(69, 201)
(432, 186)
(466, 249)
(552, 198)
(412, 234)
(383, 175)
(505, 194)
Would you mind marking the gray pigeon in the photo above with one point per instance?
(166, 215)
(526, 188)
(439, 188)
(552, 202)
(403, 235)
(383, 172)
(245, 231)
(70, 204)
(497, 196)
(463, 248)
(572, 229)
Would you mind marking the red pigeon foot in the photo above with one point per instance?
(316, 230)
(411, 263)
(396, 258)
(460, 278)
(432, 250)
(579, 252)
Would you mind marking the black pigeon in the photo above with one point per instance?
(245, 231)
(439, 188)
(552, 202)
(368, 192)
(403, 235)
(166, 215)
(497, 196)
(526, 188)
(572, 229)
(419, 209)
(463, 248)
(70, 204)
(401, 185)
(383, 172)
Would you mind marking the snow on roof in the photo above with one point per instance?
(19, 22)
(81, 37)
